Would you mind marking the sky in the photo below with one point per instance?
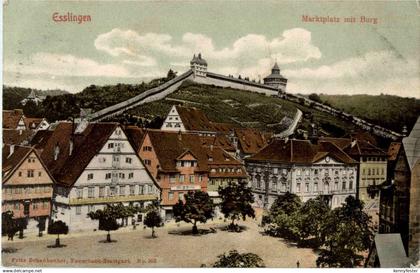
(135, 41)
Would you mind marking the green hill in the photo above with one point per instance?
(13, 95)
(391, 112)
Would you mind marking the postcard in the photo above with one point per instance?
(191, 134)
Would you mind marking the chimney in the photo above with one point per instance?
(71, 144)
(56, 151)
(353, 143)
(314, 134)
(404, 131)
(12, 149)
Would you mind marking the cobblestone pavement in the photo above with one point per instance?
(174, 247)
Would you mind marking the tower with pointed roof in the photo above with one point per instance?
(198, 66)
(275, 79)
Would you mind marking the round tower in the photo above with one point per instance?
(275, 79)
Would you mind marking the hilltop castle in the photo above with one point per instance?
(274, 80)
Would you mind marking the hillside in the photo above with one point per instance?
(240, 107)
(13, 95)
(391, 112)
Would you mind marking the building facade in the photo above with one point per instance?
(303, 168)
(27, 187)
(95, 165)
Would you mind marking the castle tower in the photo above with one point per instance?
(199, 66)
(275, 79)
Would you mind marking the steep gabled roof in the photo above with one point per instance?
(194, 119)
(169, 146)
(300, 152)
(16, 137)
(67, 168)
(135, 135)
(12, 160)
(412, 145)
(250, 141)
(11, 118)
(218, 141)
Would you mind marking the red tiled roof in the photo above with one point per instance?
(223, 160)
(300, 152)
(67, 168)
(393, 150)
(11, 118)
(218, 141)
(170, 145)
(135, 135)
(11, 161)
(194, 119)
(250, 141)
(16, 137)
(355, 147)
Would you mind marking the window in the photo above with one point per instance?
(344, 185)
(30, 173)
(298, 172)
(382, 171)
(181, 178)
(172, 178)
(147, 162)
(315, 187)
(368, 171)
(16, 206)
(170, 195)
(20, 173)
(180, 196)
(121, 175)
(192, 178)
(101, 191)
(364, 171)
(132, 189)
(298, 187)
(78, 210)
(275, 170)
(91, 192)
(130, 175)
(128, 160)
(90, 176)
(79, 193)
(39, 174)
(110, 145)
(307, 171)
(147, 148)
(336, 186)
(108, 176)
(200, 178)
(45, 204)
(315, 171)
(102, 159)
(35, 205)
(306, 187)
(122, 190)
(283, 187)
(351, 185)
(91, 208)
(141, 190)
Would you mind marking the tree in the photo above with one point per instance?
(312, 217)
(235, 259)
(153, 220)
(284, 216)
(9, 225)
(236, 202)
(345, 233)
(58, 227)
(198, 207)
(315, 97)
(171, 75)
(109, 215)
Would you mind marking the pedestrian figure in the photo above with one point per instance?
(297, 264)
